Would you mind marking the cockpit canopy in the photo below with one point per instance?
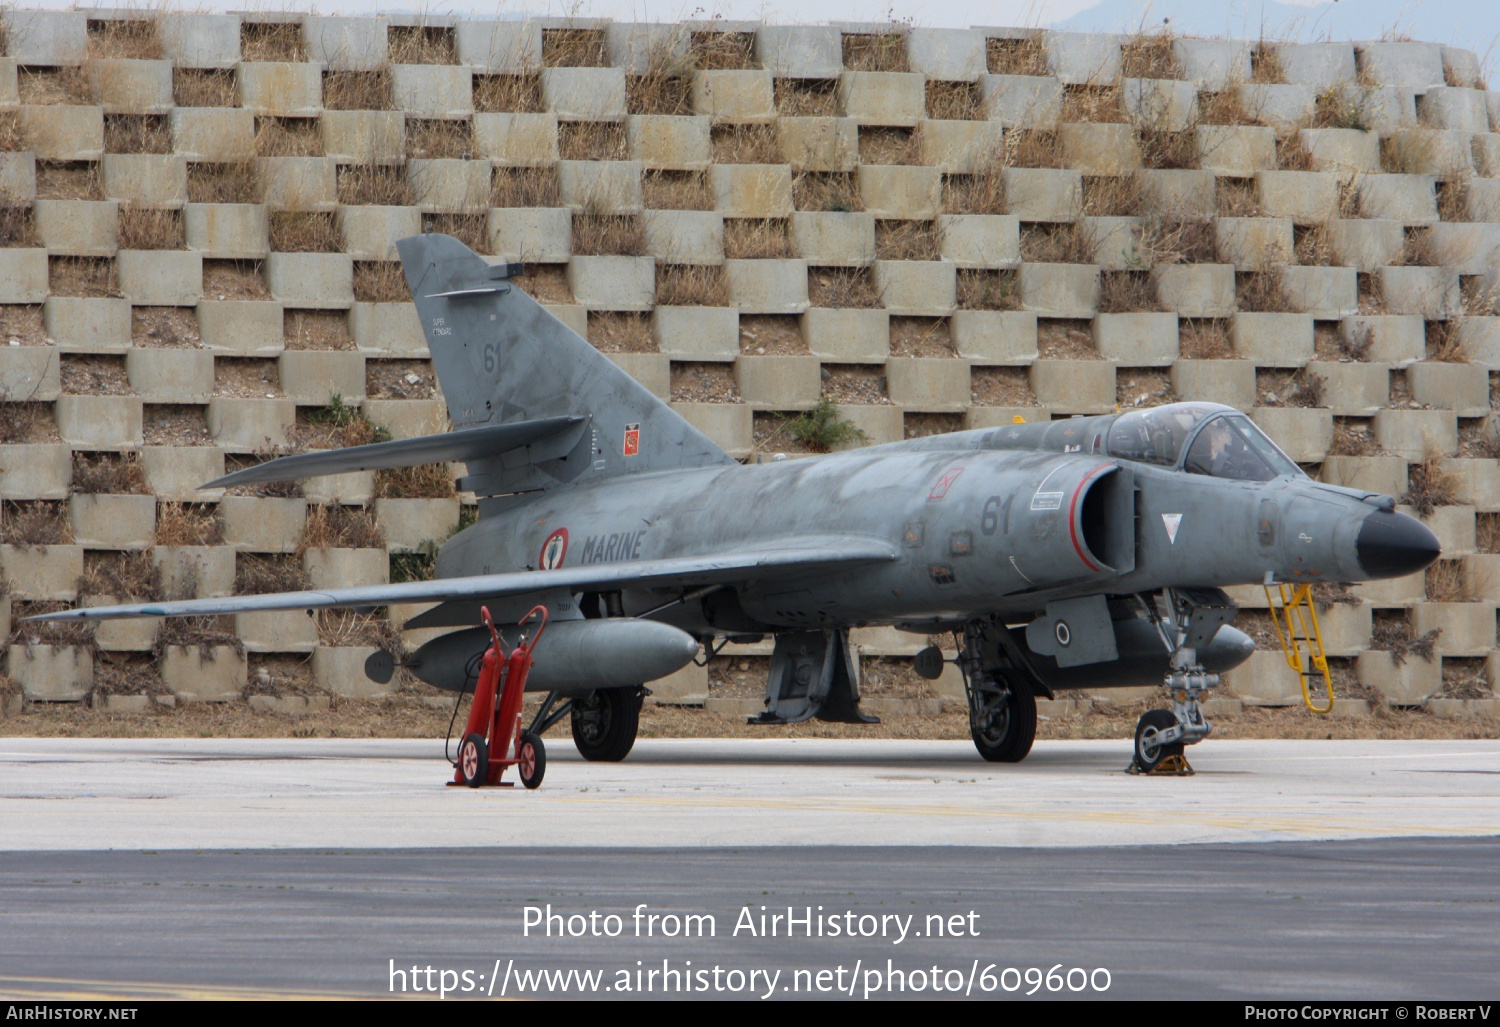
(1218, 441)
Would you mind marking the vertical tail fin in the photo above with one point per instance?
(501, 358)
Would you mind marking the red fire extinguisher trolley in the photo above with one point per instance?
(493, 739)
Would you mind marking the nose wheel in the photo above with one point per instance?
(1187, 619)
(1153, 755)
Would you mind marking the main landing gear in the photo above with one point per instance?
(1002, 704)
(605, 723)
(1187, 620)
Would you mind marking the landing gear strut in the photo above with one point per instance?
(1187, 619)
(605, 723)
(1002, 706)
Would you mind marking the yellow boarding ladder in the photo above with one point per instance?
(1297, 630)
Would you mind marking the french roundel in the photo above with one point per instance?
(554, 550)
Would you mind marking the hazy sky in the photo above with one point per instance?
(1470, 23)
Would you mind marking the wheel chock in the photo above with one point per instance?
(1170, 766)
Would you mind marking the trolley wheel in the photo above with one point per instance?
(474, 760)
(1147, 755)
(531, 760)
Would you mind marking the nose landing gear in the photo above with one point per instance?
(1187, 619)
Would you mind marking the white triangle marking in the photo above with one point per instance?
(1171, 521)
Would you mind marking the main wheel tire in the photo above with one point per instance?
(474, 760)
(605, 723)
(1149, 757)
(1006, 735)
(531, 763)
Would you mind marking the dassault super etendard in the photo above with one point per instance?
(1082, 553)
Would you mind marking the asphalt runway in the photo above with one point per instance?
(1385, 919)
(1283, 870)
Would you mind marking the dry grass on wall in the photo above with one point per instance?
(826, 191)
(1293, 155)
(807, 98)
(988, 290)
(1058, 244)
(1149, 55)
(574, 48)
(1094, 104)
(341, 527)
(676, 190)
(137, 133)
(842, 287)
(608, 235)
(1428, 486)
(1265, 65)
(288, 137)
(906, 240)
(1112, 195)
(358, 90)
(379, 185)
(380, 281)
(980, 193)
(1204, 340)
(35, 524)
(691, 285)
(592, 140)
(1126, 292)
(126, 38)
(69, 180)
(68, 84)
(508, 94)
(1313, 245)
(226, 182)
(439, 139)
(1262, 291)
(872, 52)
(196, 87)
(421, 44)
(665, 85)
(954, 101)
(125, 576)
(525, 187)
(12, 139)
(610, 332)
(277, 41)
(83, 276)
(235, 280)
(758, 239)
(889, 146)
(746, 144)
(469, 227)
(1032, 148)
(17, 227)
(304, 232)
(115, 474)
(1022, 56)
(723, 51)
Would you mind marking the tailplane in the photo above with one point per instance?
(501, 358)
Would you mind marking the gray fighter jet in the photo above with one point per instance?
(1082, 553)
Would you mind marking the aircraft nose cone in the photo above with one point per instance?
(1391, 545)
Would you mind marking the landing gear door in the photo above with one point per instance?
(813, 674)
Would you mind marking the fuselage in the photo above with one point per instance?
(998, 521)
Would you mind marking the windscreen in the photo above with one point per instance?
(1233, 447)
(1157, 436)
